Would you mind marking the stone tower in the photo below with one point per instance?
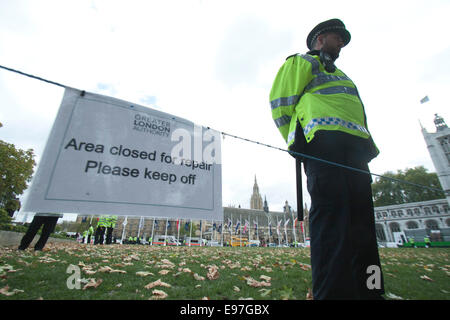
(256, 201)
(266, 207)
(438, 145)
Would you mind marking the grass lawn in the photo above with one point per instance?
(130, 272)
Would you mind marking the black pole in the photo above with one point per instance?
(298, 170)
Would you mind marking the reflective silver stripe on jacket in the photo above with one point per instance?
(283, 120)
(338, 89)
(314, 63)
(333, 121)
(324, 78)
(284, 101)
(291, 137)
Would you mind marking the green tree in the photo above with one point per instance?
(16, 169)
(387, 192)
(5, 219)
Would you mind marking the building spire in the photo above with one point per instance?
(438, 122)
(266, 207)
(256, 199)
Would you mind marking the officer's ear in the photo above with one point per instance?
(319, 42)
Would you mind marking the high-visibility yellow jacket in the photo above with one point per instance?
(303, 91)
(102, 221)
(111, 221)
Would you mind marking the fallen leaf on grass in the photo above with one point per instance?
(167, 264)
(157, 283)
(199, 278)
(236, 289)
(265, 278)
(305, 267)
(266, 269)
(424, 277)
(393, 296)
(89, 271)
(265, 292)
(256, 284)
(158, 294)
(144, 273)
(213, 273)
(5, 291)
(164, 272)
(110, 270)
(92, 283)
(309, 295)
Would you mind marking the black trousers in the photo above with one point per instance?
(109, 232)
(49, 226)
(99, 235)
(341, 219)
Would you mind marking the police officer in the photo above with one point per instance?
(111, 224)
(100, 232)
(427, 242)
(412, 242)
(318, 111)
(85, 234)
(90, 234)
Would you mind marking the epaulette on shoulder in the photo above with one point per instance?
(292, 55)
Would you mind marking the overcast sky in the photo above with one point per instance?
(213, 62)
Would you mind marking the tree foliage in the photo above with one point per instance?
(387, 192)
(16, 169)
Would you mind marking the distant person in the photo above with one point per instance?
(90, 234)
(48, 221)
(100, 231)
(427, 242)
(111, 224)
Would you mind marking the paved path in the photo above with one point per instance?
(12, 239)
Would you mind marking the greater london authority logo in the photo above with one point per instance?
(151, 125)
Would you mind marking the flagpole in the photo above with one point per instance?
(240, 230)
(278, 232)
(201, 233)
(285, 231)
(190, 234)
(230, 229)
(257, 227)
(140, 226)
(165, 235)
(143, 228)
(124, 225)
(222, 233)
(178, 227)
(153, 228)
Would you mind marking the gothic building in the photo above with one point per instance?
(438, 144)
(256, 199)
(256, 223)
(398, 223)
